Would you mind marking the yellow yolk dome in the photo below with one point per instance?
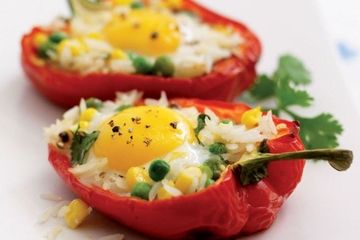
(143, 31)
(138, 135)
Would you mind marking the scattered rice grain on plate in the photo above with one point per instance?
(54, 233)
(51, 197)
(51, 212)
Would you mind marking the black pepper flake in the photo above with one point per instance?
(173, 125)
(147, 141)
(173, 105)
(115, 129)
(147, 126)
(121, 176)
(111, 123)
(124, 124)
(136, 25)
(131, 137)
(154, 35)
(123, 16)
(102, 174)
(64, 137)
(136, 120)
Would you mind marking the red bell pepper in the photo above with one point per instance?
(224, 209)
(228, 78)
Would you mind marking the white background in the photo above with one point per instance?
(326, 205)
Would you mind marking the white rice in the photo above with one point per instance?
(51, 197)
(54, 233)
(51, 212)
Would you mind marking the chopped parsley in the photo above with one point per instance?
(80, 146)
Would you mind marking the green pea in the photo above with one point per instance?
(217, 148)
(226, 121)
(215, 164)
(207, 170)
(136, 5)
(158, 170)
(46, 49)
(94, 103)
(209, 182)
(57, 37)
(141, 190)
(164, 66)
(141, 65)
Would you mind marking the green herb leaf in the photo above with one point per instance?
(136, 5)
(282, 89)
(200, 125)
(288, 96)
(80, 146)
(216, 165)
(94, 103)
(252, 173)
(292, 69)
(321, 131)
(122, 107)
(263, 88)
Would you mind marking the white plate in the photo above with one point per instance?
(324, 206)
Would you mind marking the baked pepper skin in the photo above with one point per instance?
(228, 79)
(223, 210)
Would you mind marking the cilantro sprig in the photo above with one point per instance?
(81, 144)
(285, 89)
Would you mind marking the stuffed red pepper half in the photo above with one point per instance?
(176, 46)
(179, 168)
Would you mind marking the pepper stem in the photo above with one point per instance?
(339, 159)
(253, 169)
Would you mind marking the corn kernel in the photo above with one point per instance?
(135, 175)
(163, 194)
(122, 2)
(251, 117)
(37, 61)
(184, 180)
(224, 29)
(83, 125)
(77, 46)
(172, 4)
(177, 155)
(118, 54)
(77, 211)
(88, 114)
(39, 39)
(95, 35)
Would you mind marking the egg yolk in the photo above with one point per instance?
(138, 135)
(143, 31)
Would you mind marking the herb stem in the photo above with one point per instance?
(339, 159)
